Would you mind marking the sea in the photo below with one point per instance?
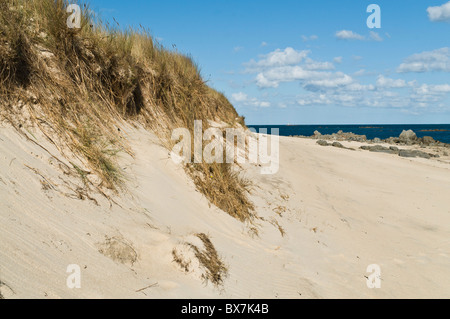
(440, 132)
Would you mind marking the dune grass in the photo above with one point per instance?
(77, 86)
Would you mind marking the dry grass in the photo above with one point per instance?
(185, 265)
(216, 271)
(213, 268)
(275, 223)
(224, 188)
(78, 86)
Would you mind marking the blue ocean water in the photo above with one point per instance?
(440, 132)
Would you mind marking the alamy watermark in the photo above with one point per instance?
(374, 20)
(74, 279)
(237, 146)
(374, 279)
(74, 20)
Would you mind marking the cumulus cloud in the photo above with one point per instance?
(423, 96)
(274, 76)
(309, 38)
(343, 97)
(439, 13)
(357, 87)
(278, 58)
(425, 89)
(289, 65)
(384, 82)
(348, 35)
(338, 59)
(239, 97)
(436, 60)
(375, 36)
(310, 64)
(311, 79)
(244, 99)
(320, 84)
(335, 80)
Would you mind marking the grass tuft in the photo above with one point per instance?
(84, 83)
(216, 271)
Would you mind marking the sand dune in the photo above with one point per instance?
(324, 217)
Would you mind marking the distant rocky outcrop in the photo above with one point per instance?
(407, 137)
(340, 136)
(334, 144)
(323, 143)
(415, 153)
(380, 149)
(428, 140)
(396, 150)
(337, 144)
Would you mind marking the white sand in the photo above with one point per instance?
(341, 210)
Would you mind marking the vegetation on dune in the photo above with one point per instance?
(77, 86)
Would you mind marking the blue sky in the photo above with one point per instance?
(310, 62)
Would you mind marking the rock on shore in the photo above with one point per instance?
(408, 137)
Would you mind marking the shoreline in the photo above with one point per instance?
(439, 132)
(406, 138)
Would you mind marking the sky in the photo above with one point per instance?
(310, 62)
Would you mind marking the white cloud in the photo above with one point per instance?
(313, 80)
(424, 97)
(239, 97)
(348, 35)
(314, 99)
(249, 101)
(384, 82)
(444, 88)
(375, 36)
(428, 95)
(357, 87)
(237, 49)
(436, 60)
(289, 65)
(309, 38)
(321, 85)
(278, 58)
(425, 89)
(333, 81)
(439, 13)
(263, 82)
(338, 59)
(264, 44)
(315, 65)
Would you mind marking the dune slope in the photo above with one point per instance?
(323, 218)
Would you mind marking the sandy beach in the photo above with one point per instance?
(322, 219)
